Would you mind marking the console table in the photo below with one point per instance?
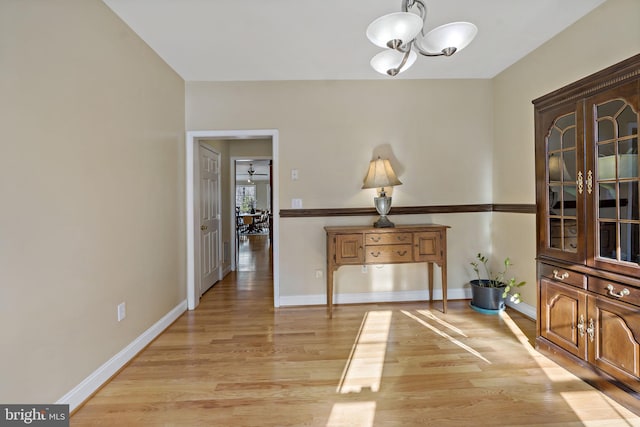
(357, 245)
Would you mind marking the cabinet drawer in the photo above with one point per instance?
(615, 290)
(387, 238)
(375, 254)
(562, 275)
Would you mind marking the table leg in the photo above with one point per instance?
(430, 277)
(443, 268)
(330, 292)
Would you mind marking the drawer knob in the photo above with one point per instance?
(401, 253)
(375, 239)
(558, 276)
(623, 293)
(375, 254)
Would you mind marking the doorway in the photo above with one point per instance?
(193, 250)
(252, 204)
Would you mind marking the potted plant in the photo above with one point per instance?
(490, 293)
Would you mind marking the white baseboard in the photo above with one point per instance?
(526, 309)
(93, 382)
(372, 297)
(375, 297)
(226, 270)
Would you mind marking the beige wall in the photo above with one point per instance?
(604, 37)
(437, 133)
(91, 189)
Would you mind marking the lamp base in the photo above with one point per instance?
(383, 206)
(383, 222)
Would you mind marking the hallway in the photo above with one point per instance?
(237, 361)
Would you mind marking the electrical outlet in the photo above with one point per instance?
(296, 203)
(318, 274)
(364, 268)
(122, 311)
(294, 174)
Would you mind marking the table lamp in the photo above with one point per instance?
(381, 175)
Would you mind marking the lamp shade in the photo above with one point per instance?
(390, 59)
(380, 174)
(455, 34)
(403, 26)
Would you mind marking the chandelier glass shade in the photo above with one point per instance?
(454, 34)
(403, 33)
(389, 59)
(399, 26)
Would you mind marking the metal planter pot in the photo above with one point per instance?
(487, 298)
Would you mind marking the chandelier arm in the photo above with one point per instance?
(445, 52)
(424, 52)
(422, 8)
(394, 71)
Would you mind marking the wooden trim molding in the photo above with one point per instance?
(409, 210)
(514, 208)
(612, 76)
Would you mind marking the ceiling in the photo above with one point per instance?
(254, 40)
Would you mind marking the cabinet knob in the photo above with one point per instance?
(623, 293)
(203, 227)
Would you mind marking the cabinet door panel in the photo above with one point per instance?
(427, 246)
(615, 347)
(563, 310)
(349, 249)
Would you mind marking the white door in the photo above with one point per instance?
(209, 218)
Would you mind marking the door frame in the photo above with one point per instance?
(192, 213)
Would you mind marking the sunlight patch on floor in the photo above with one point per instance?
(366, 361)
(593, 408)
(353, 414)
(447, 336)
(429, 315)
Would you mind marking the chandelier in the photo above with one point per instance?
(404, 36)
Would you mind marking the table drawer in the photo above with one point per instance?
(563, 275)
(375, 254)
(387, 238)
(615, 290)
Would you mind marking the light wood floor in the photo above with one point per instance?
(237, 361)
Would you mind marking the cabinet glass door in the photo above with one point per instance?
(563, 183)
(616, 183)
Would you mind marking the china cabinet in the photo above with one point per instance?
(588, 225)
